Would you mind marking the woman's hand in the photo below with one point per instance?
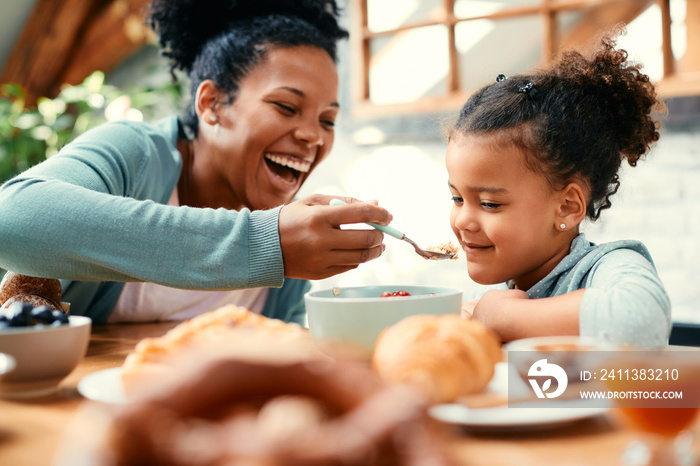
(313, 245)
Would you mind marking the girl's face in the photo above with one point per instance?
(504, 214)
(277, 130)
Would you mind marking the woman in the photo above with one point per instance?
(203, 202)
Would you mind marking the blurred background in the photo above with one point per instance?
(68, 65)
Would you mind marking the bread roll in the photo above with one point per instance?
(34, 290)
(227, 331)
(445, 356)
(33, 299)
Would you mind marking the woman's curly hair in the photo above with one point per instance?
(223, 40)
(579, 120)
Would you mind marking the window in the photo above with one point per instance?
(429, 55)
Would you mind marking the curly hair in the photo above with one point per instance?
(223, 40)
(577, 119)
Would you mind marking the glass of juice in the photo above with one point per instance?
(657, 395)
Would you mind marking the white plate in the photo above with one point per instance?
(105, 385)
(503, 418)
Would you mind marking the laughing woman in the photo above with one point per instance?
(165, 221)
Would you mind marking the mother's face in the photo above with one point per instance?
(265, 144)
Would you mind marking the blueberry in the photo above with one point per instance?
(60, 317)
(14, 308)
(26, 308)
(19, 319)
(43, 314)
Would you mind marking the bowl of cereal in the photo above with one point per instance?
(346, 321)
(46, 346)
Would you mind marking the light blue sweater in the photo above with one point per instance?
(113, 184)
(624, 303)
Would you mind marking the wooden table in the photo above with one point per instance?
(31, 431)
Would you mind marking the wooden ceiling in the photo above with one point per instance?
(63, 41)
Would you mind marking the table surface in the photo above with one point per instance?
(31, 431)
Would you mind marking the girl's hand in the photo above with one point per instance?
(468, 309)
(513, 315)
(313, 245)
(496, 307)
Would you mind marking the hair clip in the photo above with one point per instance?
(528, 89)
(500, 78)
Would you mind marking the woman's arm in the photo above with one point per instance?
(96, 212)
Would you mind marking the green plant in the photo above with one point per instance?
(30, 135)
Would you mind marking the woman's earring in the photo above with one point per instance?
(562, 226)
(212, 118)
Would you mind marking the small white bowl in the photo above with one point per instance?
(347, 321)
(44, 356)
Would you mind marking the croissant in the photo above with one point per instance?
(444, 356)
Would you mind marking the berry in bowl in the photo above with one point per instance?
(345, 322)
(46, 345)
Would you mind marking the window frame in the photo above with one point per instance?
(673, 84)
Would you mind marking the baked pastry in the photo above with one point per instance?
(227, 331)
(230, 411)
(444, 356)
(33, 290)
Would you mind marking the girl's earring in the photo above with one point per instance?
(212, 118)
(562, 226)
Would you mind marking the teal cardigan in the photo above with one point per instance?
(95, 215)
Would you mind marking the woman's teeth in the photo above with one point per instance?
(291, 162)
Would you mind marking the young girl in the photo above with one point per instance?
(532, 156)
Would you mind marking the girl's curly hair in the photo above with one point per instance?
(578, 120)
(222, 40)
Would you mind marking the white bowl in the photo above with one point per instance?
(347, 321)
(44, 356)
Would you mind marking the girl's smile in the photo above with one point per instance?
(503, 213)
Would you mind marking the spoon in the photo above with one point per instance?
(391, 231)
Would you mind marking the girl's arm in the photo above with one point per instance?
(512, 315)
(625, 302)
(622, 301)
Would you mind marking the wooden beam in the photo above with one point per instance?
(600, 18)
(669, 60)
(45, 43)
(690, 62)
(360, 51)
(110, 37)
(453, 55)
(549, 34)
